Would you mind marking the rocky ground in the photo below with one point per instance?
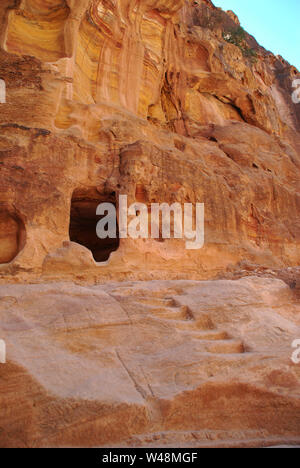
(162, 363)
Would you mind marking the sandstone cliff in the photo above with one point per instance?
(144, 98)
(162, 101)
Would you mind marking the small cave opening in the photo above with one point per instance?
(84, 220)
(12, 235)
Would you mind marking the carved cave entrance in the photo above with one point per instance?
(83, 222)
(12, 235)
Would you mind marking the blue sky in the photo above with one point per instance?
(275, 24)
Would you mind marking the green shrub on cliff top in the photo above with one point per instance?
(238, 37)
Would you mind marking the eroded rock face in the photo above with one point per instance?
(150, 364)
(145, 98)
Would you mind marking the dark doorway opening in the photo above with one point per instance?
(83, 222)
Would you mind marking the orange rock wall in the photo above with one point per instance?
(144, 96)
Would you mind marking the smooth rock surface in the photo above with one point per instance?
(161, 363)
